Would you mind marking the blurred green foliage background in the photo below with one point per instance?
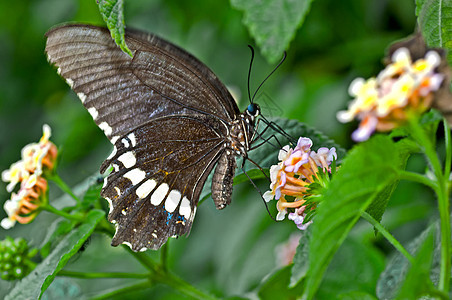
(228, 252)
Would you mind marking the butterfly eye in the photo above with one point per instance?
(253, 110)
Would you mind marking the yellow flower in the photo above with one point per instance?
(23, 205)
(39, 155)
(15, 174)
(401, 89)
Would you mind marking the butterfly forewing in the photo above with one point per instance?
(122, 93)
(169, 118)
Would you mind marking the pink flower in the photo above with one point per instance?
(298, 217)
(292, 176)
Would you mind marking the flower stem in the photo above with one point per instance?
(180, 285)
(442, 193)
(164, 256)
(448, 146)
(143, 259)
(124, 290)
(50, 208)
(105, 227)
(387, 235)
(63, 186)
(443, 204)
(88, 275)
(419, 178)
(162, 275)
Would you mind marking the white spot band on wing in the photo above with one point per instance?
(144, 189)
(159, 194)
(135, 175)
(105, 128)
(172, 201)
(128, 159)
(185, 209)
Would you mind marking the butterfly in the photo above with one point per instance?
(171, 122)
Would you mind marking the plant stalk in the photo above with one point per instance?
(442, 193)
(389, 237)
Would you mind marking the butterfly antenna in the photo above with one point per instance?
(249, 72)
(280, 63)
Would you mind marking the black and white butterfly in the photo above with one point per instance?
(170, 119)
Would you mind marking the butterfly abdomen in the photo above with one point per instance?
(222, 180)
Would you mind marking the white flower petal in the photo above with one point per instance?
(274, 172)
(268, 195)
(47, 132)
(344, 116)
(10, 186)
(433, 58)
(355, 86)
(7, 223)
(284, 152)
(332, 155)
(435, 81)
(401, 55)
(10, 207)
(6, 175)
(281, 215)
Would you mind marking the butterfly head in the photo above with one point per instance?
(253, 110)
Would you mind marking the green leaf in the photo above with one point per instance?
(356, 296)
(399, 269)
(92, 194)
(378, 206)
(272, 23)
(417, 282)
(355, 267)
(301, 258)
(435, 21)
(276, 286)
(35, 284)
(113, 15)
(365, 172)
(364, 265)
(56, 230)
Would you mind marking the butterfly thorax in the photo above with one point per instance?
(243, 130)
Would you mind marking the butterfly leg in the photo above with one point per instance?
(257, 135)
(257, 189)
(278, 129)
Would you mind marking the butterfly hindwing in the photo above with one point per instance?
(157, 179)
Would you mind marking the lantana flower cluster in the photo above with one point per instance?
(296, 178)
(402, 89)
(28, 174)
